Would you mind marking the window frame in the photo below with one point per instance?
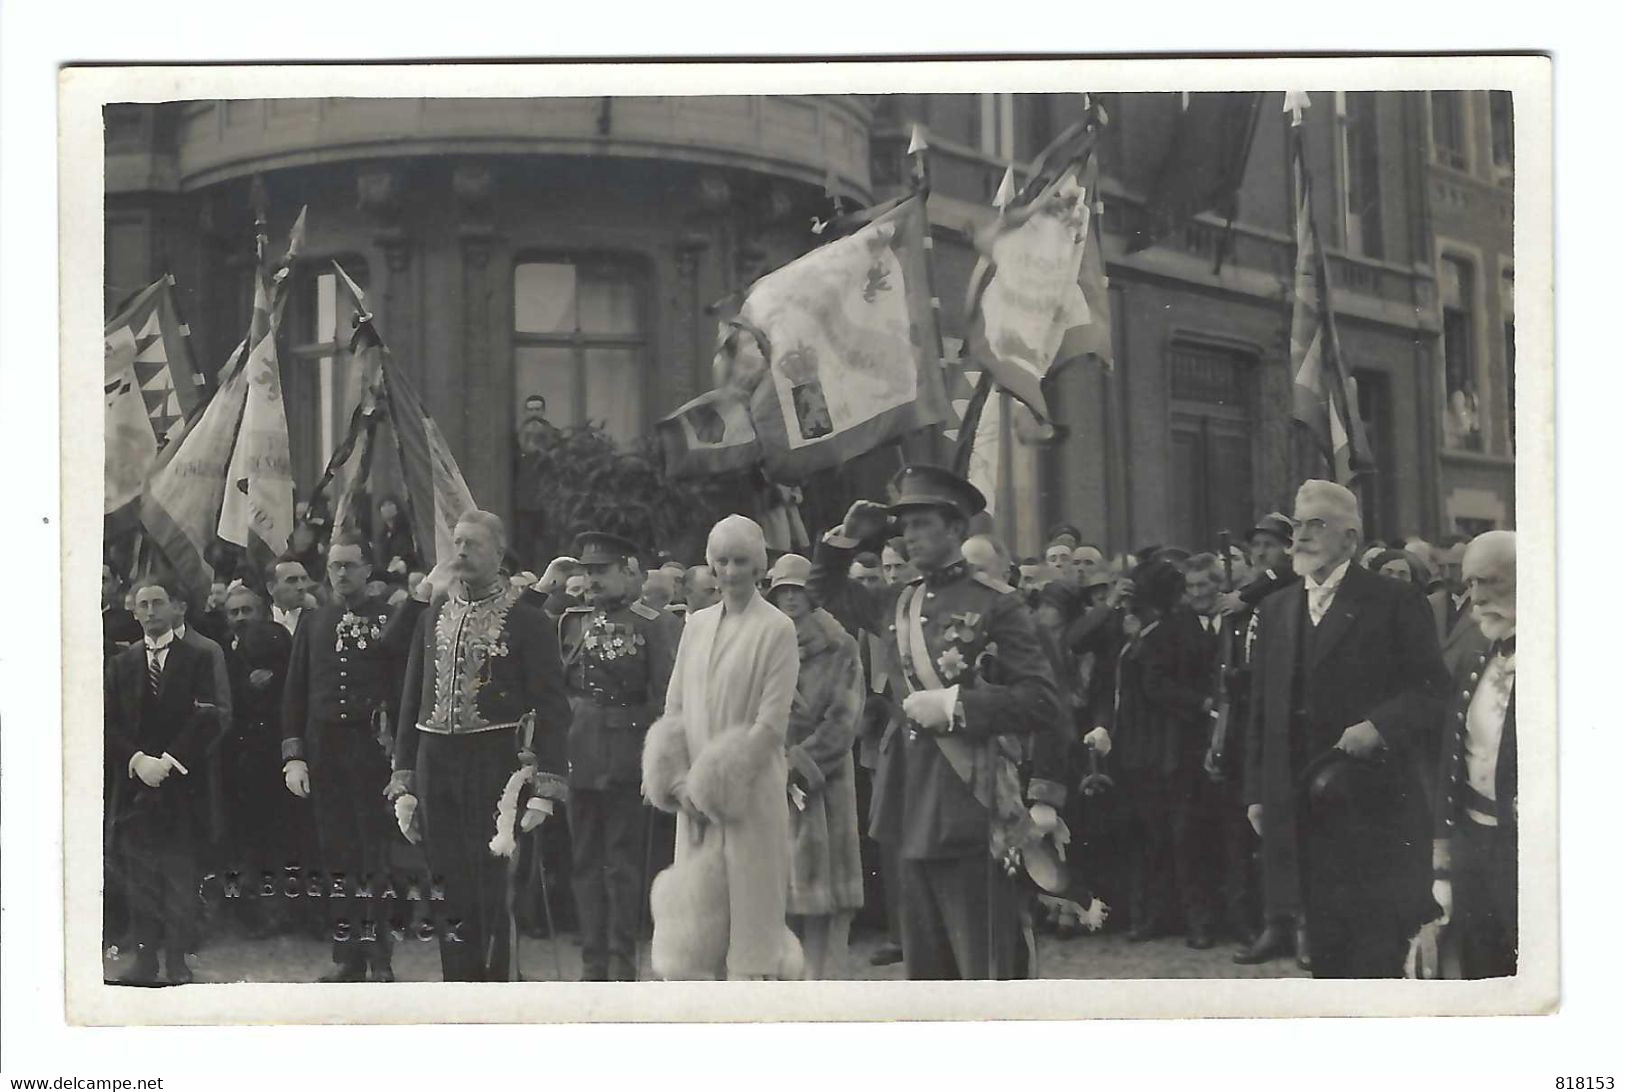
(329, 383)
(1462, 158)
(636, 267)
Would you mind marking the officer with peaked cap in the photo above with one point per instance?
(618, 654)
(978, 692)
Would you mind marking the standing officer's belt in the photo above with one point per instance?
(466, 731)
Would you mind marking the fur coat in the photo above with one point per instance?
(825, 874)
(722, 742)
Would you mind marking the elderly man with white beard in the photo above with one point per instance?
(1347, 691)
(1475, 834)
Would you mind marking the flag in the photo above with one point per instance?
(1324, 400)
(256, 511)
(180, 510)
(980, 448)
(833, 355)
(1037, 298)
(258, 499)
(170, 386)
(1202, 167)
(393, 446)
(131, 445)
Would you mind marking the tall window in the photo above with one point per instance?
(579, 342)
(321, 386)
(1362, 203)
(956, 117)
(1211, 467)
(1463, 424)
(1501, 130)
(1449, 128)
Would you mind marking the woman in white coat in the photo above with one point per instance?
(717, 759)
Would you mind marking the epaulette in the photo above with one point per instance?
(644, 611)
(992, 582)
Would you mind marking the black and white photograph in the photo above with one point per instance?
(980, 524)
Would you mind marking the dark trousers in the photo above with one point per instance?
(157, 848)
(1484, 888)
(1352, 911)
(945, 917)
(459, 780)
(607, 836)
(354, 827)
(1171, 850)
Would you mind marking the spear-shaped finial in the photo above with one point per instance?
(917, 147)
(1295, 103)
(1006, 192)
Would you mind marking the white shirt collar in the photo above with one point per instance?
(161, 643)
(179, 631)
(1331, 583)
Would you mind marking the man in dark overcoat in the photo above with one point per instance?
(1347, 661)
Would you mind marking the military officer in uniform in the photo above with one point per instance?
(618, 654)
(977, 689)
(334, 710)
(483, 697)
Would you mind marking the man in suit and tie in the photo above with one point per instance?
(288, 585)
(160, 723)
(1475, 834)
(1346, 670)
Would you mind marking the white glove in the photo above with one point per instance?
(1255, 816)
(557, 572)
(931, 709)
(296, 775)
(1442, 895)
(1048, 823)
(406, 809)
(1100, 741)
(536, 813)
(151, 771)
(438, 582)
(1422, 961)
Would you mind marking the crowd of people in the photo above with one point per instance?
(1301, 741)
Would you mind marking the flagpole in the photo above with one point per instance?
(920, 170)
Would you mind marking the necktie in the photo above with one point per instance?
(155, 671)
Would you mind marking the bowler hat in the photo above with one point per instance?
(1158, 584)
(922, 486)
(790, 570)
(603, 548)
(1340, 790)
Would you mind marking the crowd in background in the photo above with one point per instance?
(1156, 728)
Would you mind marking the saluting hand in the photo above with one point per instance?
(865, 520)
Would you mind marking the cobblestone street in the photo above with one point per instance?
(234, 958)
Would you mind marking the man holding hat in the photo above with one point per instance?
(1347, 691)
(618, 654)
(977, 688)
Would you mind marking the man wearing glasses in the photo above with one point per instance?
(1348, 687)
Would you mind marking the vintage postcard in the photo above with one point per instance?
(759, 541)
